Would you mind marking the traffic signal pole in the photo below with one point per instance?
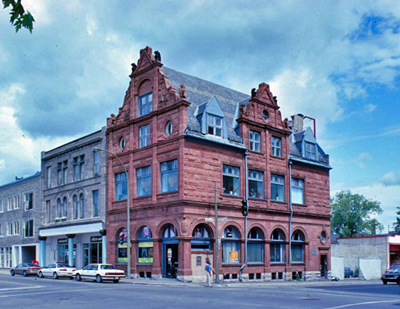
(216, 237)
(245, 214)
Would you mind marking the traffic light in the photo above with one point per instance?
(121, 238)
(245, 208)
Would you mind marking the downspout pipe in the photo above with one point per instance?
(291, 210)
(245, 218)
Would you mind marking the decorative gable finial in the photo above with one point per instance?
(182, 92)
(253, 92)
(157, 56)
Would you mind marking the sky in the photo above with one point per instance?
(335, 61)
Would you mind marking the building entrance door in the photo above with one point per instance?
(324, 266)
(170, 260)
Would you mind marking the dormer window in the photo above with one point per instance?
(310, 151)
(145, 104)
(214, 125)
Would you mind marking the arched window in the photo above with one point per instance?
(65, 204)
(145, 245)
(122, 241)
(59, 209)
(255, 246)
(231, 245)
(75, 206)
(277, 246)
(297, 247)
(169, 232)
(82, 206)
(201, 238)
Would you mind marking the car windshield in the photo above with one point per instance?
(395, 266)
(63, 265)
(107, 267)
(31, 265)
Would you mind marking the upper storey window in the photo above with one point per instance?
(214, 125)
(310, 151)
(145, 104)
(255, 138)
(276, 146)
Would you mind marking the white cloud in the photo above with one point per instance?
(361, 159)
(391, 179)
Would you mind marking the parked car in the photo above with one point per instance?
(25, 269)
(57, 270)
(348, 273)
(99, 272)
(392, 274)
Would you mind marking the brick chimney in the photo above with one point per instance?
(298, 122)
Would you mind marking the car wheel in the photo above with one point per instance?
(55, 276)
(70, 278)
(78, 277)
(40, 274)
(25, 273)
(12, 272)
(98, 278)
(384, 281)
(116, 280)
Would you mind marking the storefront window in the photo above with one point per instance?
(201, 238)
(122, 249)
(255, 246)
(231, 245)
(145, 245)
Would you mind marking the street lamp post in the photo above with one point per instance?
(128, 211)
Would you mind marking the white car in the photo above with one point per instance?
(99, 272)
(57, 270)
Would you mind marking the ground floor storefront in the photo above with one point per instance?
(19, 253)
(75, 245)
(178, 247)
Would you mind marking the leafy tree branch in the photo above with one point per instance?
(19, 18)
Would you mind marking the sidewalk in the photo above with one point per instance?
(235, 284)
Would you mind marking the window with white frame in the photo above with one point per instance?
(28, 228)
(256, 184)
(82, 167)
(16, 201)
(231, 180)
(255, 141)
(120, 187)
(214, 125)
(9, 204)
(255, 246)
(297, 191)
(1, 205)
(310, 151)
(28, 200)
(1, 232)
(59, 208)
(143, 181)
(169, 176)
(145, 104)
(277, 188)
(276, 146)
(144, 136)
(297, 247)
(65, 207)
(277, 246)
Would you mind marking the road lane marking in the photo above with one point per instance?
(364, 303)
(24, 288)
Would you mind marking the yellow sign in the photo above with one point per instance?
(148, 244)
(233, 255)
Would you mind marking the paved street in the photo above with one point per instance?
(33, 292)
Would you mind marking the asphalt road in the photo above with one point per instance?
(32, 292)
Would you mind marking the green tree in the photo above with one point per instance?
(396, 225)
(351, 215)
(19, 18)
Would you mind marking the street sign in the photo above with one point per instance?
(222, 219)
(208, 219)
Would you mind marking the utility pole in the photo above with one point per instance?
(216, 237)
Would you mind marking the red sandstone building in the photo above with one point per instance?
(180, 137)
